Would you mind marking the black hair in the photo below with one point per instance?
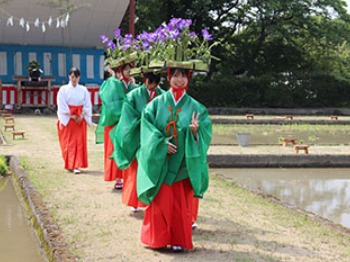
(182, 70)
(125, 65)
(152, 77)
(75, 71)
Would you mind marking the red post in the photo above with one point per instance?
(132, 17)
(0, 95)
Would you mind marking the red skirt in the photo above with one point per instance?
(112, 172)
(72, 139)
(195, 209)
(129, 194)
(168, 219)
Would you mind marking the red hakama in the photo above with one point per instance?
(112, 172)
(168, 219)
(72, 139)
(129, 194)
(195, 209)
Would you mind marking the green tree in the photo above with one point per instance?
(270, 49)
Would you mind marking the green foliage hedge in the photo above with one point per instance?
(3, 166)
(297, 90)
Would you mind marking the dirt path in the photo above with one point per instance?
(234, 225)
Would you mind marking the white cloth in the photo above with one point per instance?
(69, 95)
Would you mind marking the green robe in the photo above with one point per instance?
(112, 93)
(126, 140)
(190, 160)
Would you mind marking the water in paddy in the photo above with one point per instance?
(17, 239)
(325, 192)
(272, 134)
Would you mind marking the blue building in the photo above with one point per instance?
(58, 36)
(54, 60)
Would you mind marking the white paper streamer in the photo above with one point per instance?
(36, 22)
(49, 22)
(63, 23)
(10, 21)
(22, 22)
(67, 18)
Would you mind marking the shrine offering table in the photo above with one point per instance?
(33, 93)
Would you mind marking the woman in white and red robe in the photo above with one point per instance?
(74, 113)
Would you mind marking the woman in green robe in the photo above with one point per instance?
(175, 136)
(113, 93)
(127, 135)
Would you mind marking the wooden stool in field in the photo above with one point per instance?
(9, 126)
(6, 114)
(9, 119)
(18, 133)
(289, 140)
(334, 117)
(249, 116)
(301, 147)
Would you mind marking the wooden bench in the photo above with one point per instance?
(5, 114)
(9, 119)
(18, 133)
(9, 126)
(249, 116)
(334, 117)
(301, 147)
(289, 140)
(279, 118)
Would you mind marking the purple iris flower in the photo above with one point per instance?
(143, 36)
(128, 41)
(206, 35)
(136, 46)
(161, 34)
(174, 22)
(145, 45)
(126, 46)
(192, 35)
(152, 37)
(174, 34)
(117, 32)
(111, 44)
(129, 36)
(183, 24)
(104, 38)
(188, 22)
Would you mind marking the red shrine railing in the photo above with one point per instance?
(39, 98)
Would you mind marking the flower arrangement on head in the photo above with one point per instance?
(175, 45)
(120, 50)
(170, 45)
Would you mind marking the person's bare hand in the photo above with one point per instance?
(172, 149)
(194, 123)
